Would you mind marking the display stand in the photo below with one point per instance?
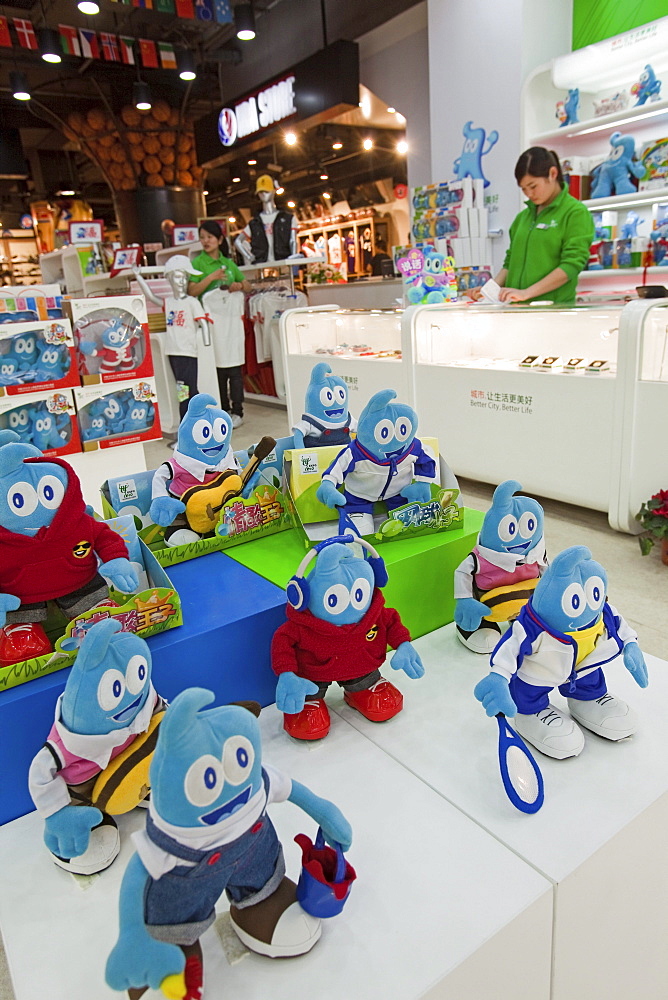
(366, 293)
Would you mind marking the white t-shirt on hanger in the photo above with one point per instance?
(226, 310)
(181, 317)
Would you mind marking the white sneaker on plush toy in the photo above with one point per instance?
(608, 716)
(482, 640)
(103, 846)
(236, 419)
(182, 536)
(552, 732)
(295, 933)
(363, 523)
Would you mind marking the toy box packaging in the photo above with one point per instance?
(654, 157)
(472, 277)
(154, 608)
(606, 224)
(112, 338)
(23, 303)
(443, 196)
(122, 413)
(576, 174)
(46, 419)
(427, 277)
(36, 355)
(304, 469)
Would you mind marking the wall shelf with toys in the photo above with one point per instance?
(637, 200)
(631, 118)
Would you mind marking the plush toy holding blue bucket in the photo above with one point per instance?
(326, 879)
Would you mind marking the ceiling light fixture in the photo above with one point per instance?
(290, 139)
(205, 193)
(391, 111)
(65, 193)
(244, 21)
(236, 180)
(402, 147)
(337, 145)
(49, 45)
(232, 218)
(367, 144)
(19, 84)
(291, 204)
(324, 176)
(186, 63)
(88, 7)
(326, 195)
(252, 163)
(141, 95)
(280, 190)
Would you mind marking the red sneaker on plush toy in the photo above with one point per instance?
(48, 549)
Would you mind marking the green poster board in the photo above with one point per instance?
(594, 20)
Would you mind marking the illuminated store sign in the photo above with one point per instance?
(258, 112)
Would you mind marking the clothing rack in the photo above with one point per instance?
(281, 265)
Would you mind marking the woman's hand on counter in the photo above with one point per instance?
(514, 295)
(473, 293)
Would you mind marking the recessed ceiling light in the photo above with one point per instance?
(326, 194)
(88, 7)
(291, 204)
(324, 176)
(337, 145)
(280, 190)
(251, 163)
(368, 144)
(402, 147)
(290, 138)
(236, 180)
(232, 218)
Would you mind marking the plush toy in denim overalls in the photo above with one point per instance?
(208, 832)
(327, 419)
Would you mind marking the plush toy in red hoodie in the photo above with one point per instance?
(49, 549)
(338, 629)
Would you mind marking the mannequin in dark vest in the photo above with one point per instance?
(272, 233)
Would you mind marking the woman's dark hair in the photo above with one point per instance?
(537, 162)
(213, 228)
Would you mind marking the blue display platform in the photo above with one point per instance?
(230, 614)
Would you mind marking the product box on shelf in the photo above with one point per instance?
(605, 225)
(122, 413)
(112, 338)
(22, 303)
(576, 174)
(304, 469)
(36, 355)
(427, 277)
(46, 419)
(154, 608)
(230, 519)
(654, 157)
(472, 277)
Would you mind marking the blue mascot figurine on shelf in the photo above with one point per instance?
(116, 351)
(12, 371)
(613, 176)
(429, 287)
(49, 549)
(563, 638)
(52, 363)
(97, 424)
(630, 225)
(567, 111)
(20, 421)
(327, 420)
(208, 832)
(94, 764)
(25, 350)
(45, 433)
(497, 578)
(469, 164)
(338, 630)
(385, 462)
(139, 416)
(647, 87)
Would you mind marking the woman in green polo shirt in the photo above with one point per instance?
(219, 292)
(549, 239)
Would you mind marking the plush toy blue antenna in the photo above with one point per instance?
(326, 420)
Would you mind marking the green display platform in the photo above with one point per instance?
(420, 569)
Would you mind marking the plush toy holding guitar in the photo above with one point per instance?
(203, 474)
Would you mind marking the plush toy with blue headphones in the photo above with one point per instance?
(338, 629)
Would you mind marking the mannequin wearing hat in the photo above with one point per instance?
(272, 233)
(186, 320)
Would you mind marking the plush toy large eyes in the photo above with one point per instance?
(110, 690)
(50, 491)
(136, 673)
(219, 429)
(115, 336)
(595, 592)
(336, 599)
(204, 780)
(112, 409)
(238, 757)
(340, 393)
(384, 431)
(359, 593)
(402, 428)
(42, 424)
(7, 369)
(97, 422)
(24, 345)
(18, 419)
(616, 153)
(573, 600)
(50, 357)
(22, 499)
(326, 396)
(202, 432)
(527, 524)
(508, 528)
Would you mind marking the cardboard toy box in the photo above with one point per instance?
(46, 419)
(154, 608)
(265, 512)
(36, 355)
(25, 303)
(122, 413)
(304, 469)
(111, 335)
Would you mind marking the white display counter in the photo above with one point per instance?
(369, 293)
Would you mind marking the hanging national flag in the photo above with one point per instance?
(69, 40)
(89, 46)
(25, 33)
(5, 37)
(204, 10)
(223, 11)
(164, 6)
(126, 46)
(148, 53)
(146, 4)
(185, 8)
(109, 47)
(167, 57)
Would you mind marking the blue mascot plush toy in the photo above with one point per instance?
(19, 421)
(497, 578)
(94, 764)
(613, 176)
(12, 371)
(647, 87)
(49, 548)
(45, 433)
(327, 419)
(25, 350)
(338, 629)
(52, 362)
(208, 832)
(139, 416)
(563, 638)
(385, 462)
(116, 350)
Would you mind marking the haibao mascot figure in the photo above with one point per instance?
(94, 764)
(385, 462)
(647, 87)
(613, 175)
(327, 419)
(497, 578)
(116, 353)
(208, 832)
(563, 638)
(338, 629)
(49, 549)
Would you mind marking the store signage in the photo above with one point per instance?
(257, 112)
(184, 234)
(87, 232)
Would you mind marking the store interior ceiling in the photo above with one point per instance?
(287, 31)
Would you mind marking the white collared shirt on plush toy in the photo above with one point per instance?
(505, 561)
(182, 467)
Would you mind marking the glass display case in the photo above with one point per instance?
(363, 346)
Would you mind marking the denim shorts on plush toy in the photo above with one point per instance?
(531, 698)
(179, 906)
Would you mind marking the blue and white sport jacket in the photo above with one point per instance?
(372, 479)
